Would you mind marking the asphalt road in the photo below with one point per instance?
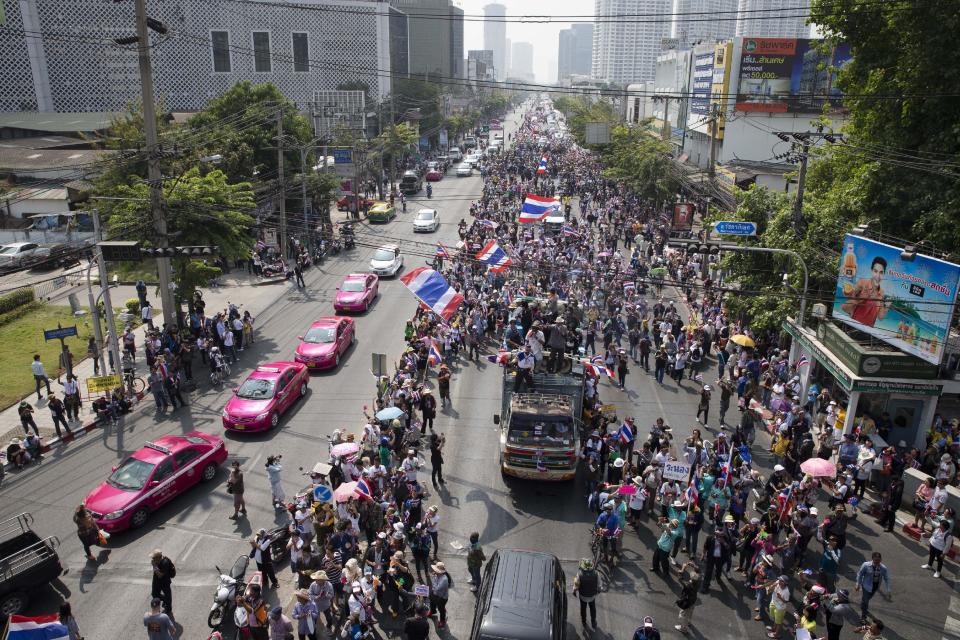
(110, 597)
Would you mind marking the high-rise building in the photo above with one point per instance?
(691, 24)
(625, 51)
(495, 36)
(575, 52)
(456, 42)
(507, 57)
(521, 60)
(301, 46)
(762, 18)
(480, 65)
(431, 33)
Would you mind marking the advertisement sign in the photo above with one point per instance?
(673, 470)
(102, 383)
(683, 216)
(779, 75)
(905, 303)
(702, 84)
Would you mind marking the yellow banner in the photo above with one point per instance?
(103, 383)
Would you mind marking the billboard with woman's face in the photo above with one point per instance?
(906, 303)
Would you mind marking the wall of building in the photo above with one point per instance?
(766, 18)
(626, 51)
(430, 37)
(495, 38)
(99, 75)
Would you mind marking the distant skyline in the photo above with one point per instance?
(543, 37)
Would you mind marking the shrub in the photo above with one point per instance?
(17, 298)
(133, 306)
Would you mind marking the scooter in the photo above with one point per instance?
(225, 597)
(348, 241)
(241, 619)
(276, 270)
(335, 246)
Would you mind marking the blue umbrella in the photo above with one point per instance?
(389, 413)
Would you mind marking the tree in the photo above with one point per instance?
(642, 162)
(321, 187)
(580, 110)
(200, 209)
(899, 160)
(393, 144)
(241, 125)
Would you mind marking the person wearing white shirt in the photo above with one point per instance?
(40, 376)
(228, 346)
(940, 543)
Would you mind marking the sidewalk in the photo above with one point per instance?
(237, 287)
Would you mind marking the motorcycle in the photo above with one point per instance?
(225, 597)
(276, 270)
(429, 191)
(348, 241)
(335, 246)
(320, 253)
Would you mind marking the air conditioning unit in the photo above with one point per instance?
(819, 310)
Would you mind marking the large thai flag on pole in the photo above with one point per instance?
(433, 291)
(442, 251)
(494, 256)
(38, 628)
(625, 435)
(536, 208)
(434, 357)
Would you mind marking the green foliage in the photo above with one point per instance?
(642, 162)
(321, 187)
(394, 143)
(133, 306)
(192, 275)
(579, 110)
(241, 124)
(418, 93)
(899, 165)
(16, 298)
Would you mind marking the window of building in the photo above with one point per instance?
(221, 51)
(301, 53)
(261, 52)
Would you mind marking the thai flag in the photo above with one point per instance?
(493, 255)
(725, 474)
(625, 435)
(570, 232)
(693, 488)
(432, 290)
(442, 251)
(38, 628)
(802, 361)
(598, 368)
(362, 490)
(542, 167)
(627, 286)
(508, 297)
(786, 502)
(536, 208)
(499, 358)
(433, 355)
(489, 224)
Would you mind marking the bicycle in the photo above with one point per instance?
(217, 376)
(598, 543)
(133, 384)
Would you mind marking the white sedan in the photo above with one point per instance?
(427, 220)
(386, 260)
(464, 170)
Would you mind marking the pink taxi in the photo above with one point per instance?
(264, 396)
(152, 476)
(325, 341)
(357, 292)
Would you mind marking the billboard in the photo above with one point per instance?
(702, 84)
(683, 216)
(906, 303)
(779, 75)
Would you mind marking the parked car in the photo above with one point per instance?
(386, 260)
(153, 475)
(381, 212)
(267, 393)
(427, 220)
(325, 341)
(29, 563)
(464, 169)
(357, 292)
(346, 203)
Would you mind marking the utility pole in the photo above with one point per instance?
(712, 170)
(805, 140)
(282, 241)
(303, 192)
(665, 131)
(801, 183)
(154, 176)
(113, 342)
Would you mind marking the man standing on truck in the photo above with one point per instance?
(525, 363)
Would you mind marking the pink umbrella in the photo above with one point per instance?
(345, 491)
(819, 468)
(344, 449)
(604, 254)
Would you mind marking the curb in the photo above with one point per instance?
(84, 429)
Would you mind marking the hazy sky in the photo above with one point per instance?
(543, 37)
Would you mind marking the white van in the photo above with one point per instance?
(455, 154)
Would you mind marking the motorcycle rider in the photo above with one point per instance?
(256, 609)
(429, 191)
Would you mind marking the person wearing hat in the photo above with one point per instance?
(306, 614)
(281, 627)
(703, 407)
(159, 625)
(665, 542)
(235, 488)
(443, 385)
(607, 526)
(420, 543)
(431, 522)
(586, 586)
(263, 557)
(428, 409)
(687, 602)
(646, 631)
(717, 548)
(940, 541)
(838, 611)
(324, 597)
(779, 599)
(440, 584)
(163, 574)
(256, 608)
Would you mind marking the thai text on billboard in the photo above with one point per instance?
(779, 75)
(907, 303)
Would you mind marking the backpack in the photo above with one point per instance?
(173, 569)
(646, 633)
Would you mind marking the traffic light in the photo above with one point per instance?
(179, 252)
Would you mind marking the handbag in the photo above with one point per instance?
(919, 504)
(102, 537)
